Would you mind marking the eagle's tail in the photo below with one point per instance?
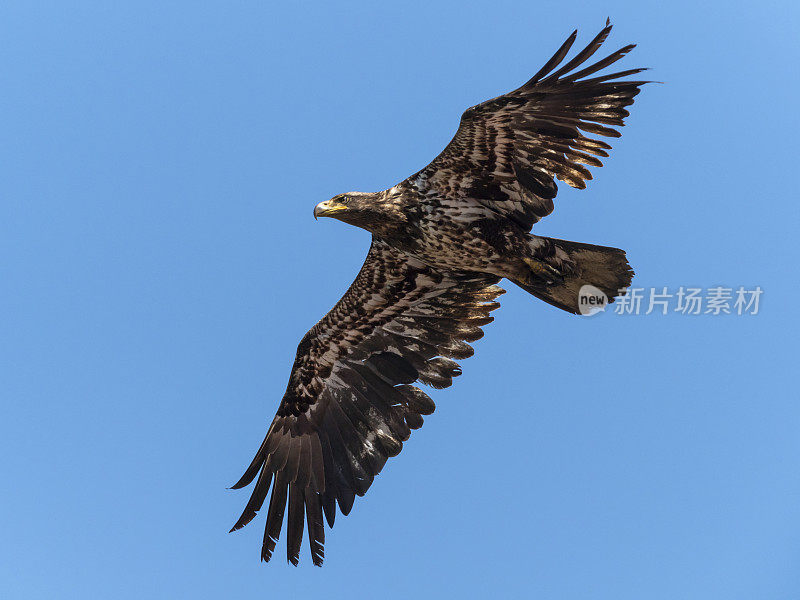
(561, 268)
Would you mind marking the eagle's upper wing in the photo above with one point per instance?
(508, 150)
(349, 404)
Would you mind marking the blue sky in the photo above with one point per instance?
(159, 166)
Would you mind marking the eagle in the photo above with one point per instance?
(441, 241)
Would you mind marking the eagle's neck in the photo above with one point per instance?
(388, 218)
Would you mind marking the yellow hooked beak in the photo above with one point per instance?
(326, 209)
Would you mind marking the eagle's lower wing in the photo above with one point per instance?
(349, 404)
(508, 150)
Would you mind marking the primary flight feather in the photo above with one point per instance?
(441, 241)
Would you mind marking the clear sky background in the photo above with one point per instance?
(159, 263)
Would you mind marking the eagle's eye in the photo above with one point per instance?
(344, 200)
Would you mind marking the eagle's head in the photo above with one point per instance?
(370, 211)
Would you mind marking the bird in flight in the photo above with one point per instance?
(441, 241)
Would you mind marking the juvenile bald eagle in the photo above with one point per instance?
(441, 240)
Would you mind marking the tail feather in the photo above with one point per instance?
(580, 264)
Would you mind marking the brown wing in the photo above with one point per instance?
(349, 404)
(508, 151)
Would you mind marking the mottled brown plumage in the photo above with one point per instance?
(441, 240)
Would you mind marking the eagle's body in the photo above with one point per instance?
(447, 234)
(441, 241)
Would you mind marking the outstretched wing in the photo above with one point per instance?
(349, 404)
(508, 151)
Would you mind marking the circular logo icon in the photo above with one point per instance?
(591, 300)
